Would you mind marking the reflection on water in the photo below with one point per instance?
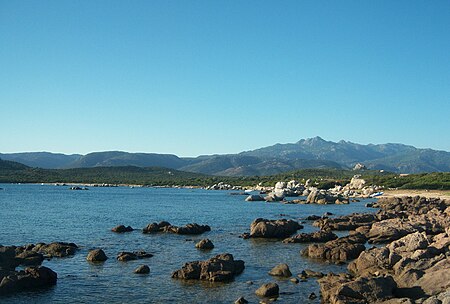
(36, 213)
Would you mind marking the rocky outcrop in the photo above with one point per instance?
(263, 228)
(30, 278)
(339, 250)
(268, 290)
(221, 268)
(96, 255)
(322, 197)
(281, 270)
(192, 229)
(136, 255)
(316, 237)
(122, 229)
(205, 244)
(56, 249)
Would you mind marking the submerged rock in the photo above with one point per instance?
(143, 269)
(122, 229)
(221, 268)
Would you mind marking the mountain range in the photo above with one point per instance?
(306, 153)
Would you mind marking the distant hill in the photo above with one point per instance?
(306, 153)
(10, 165)
(45, 160)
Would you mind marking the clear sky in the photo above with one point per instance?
(203, 77)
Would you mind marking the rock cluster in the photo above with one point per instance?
(221, 268)
(412, 267)
(122, 229)
(263, 228)
(130, 256)
(193, 228)
(320, 236)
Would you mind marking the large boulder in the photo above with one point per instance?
(263, 228)
(30, 278)
(221, 268)
(346, 222)
(339, 250)
(193, 228)
(143, 269)
(314, 237)
(155, 227)
(392, 229)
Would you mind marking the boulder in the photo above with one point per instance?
(392, 229)
(339, 250)
(268, 290)
(30, 278)
(155, 227)
(316, 237)
(241, 300)
(346, 222)
(205, 244)
(263, 228)
(191, 229)
(122, 229)
(143, 269)
(96, 255)
(221, 268)
(281, 270)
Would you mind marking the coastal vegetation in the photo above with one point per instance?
(13, 172)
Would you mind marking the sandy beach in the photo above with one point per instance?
(443, 194)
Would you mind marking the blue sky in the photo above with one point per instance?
(203, 77)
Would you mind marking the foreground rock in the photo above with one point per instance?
(205, 244)
(263, 228)
(221, 268)
(268, 290)
(413, 267)
(56, 249)
(339, 250)
(130, 256)
(192, 229)
(347, 222)
(316, 237)
(122, 229)
(96, 255)
(30, 278)
(281, 270)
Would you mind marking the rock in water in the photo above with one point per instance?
(205, 244)
(32, 277)
(264, 228)
(221, 268)
(143, 269)
(96, 255)
(241, 300)
(122, 229)
(281, 270)
(268, 290)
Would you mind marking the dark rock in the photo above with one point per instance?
(241, 300)
(30, 278)
(268, 290)
(96, 255)
(205, 244)
(129, 256)
(282, 228)
(281, 270)
(347, 222)
(312, 296)
(312, 217)
(143, 269)
(221, 268)
(167, 227)
(122, 229)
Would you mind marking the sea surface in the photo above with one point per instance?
(48, 213)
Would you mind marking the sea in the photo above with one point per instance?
(32, 213)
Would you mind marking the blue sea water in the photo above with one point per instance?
(47, 213)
